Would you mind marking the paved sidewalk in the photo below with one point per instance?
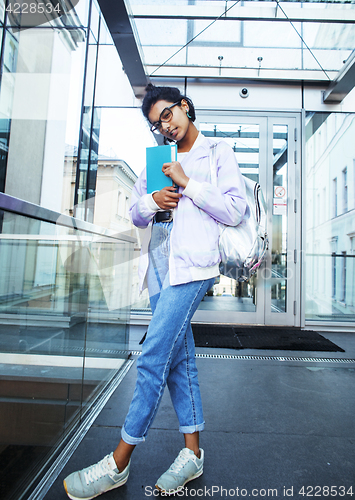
(272, 428)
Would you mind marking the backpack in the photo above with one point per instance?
(243, 247)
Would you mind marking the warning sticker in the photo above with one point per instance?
(279, 192)
(280, 201)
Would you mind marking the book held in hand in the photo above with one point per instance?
(156, 157)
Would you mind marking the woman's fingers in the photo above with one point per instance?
(175, 171)
(171, 199)
(166, 198)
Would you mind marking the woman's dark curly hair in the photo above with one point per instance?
(169, 94)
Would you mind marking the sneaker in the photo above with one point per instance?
(96, 479)
(185, 468)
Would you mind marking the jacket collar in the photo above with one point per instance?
(203, 148)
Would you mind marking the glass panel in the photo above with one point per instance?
(95, 19)
(64, 311)
(2, 11)
(95, 134)
(89, 144)
(112, 85)
(279, 220)
(221, 33)
(330, 220)
(119, 122)
(228, 294)
(6, 100)
(175, 33)
(254, 44)
(119, 164)
(45, 108)
(82, 12)
(72, 130)
(105, 35)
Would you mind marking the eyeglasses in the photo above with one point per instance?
(165, 117)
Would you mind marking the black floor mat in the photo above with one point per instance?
(277, 338)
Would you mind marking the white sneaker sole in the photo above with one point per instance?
(117, 485)
(172, 492)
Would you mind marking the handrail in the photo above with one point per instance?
(331, 255)
(27, 209)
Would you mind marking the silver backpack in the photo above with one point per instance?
(243, 247)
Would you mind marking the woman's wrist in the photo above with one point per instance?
(154, 196)
(152, 204)
(185, 182)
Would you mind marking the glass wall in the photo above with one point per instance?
(330, 217)
(73, 137)
(57, 81)
(40, 104)
(66, 118)
(64, 314)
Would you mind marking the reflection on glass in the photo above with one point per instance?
(2, 12)
(112, 86)
(330, 221)
(6, 100)
(279, 220)
(95, 20)
(228, 294)
(45, 109)
(86, 183)
(278, 296)
(64, 312)
(119, 164)
(64, 293)
(113, 175)
(88, 164)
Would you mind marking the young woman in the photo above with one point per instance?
(179, 268)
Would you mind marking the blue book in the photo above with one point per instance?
(156, 157)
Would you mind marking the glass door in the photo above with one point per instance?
(281, 277)
(265, 150)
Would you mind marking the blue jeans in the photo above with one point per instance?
(168, 351)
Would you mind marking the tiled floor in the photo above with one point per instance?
(270, 425)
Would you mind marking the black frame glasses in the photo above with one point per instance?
(165, 117)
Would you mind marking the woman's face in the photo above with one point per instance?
(178, 125)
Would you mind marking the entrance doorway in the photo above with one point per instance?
(267, 148)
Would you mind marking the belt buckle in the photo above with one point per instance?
(170, 218)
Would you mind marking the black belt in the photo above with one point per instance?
(166, 216)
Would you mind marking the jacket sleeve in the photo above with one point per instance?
(143, 207)
(225, 202)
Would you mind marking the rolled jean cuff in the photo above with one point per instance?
(190, 429)
(129, 439)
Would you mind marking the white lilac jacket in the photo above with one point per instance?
(194, 253)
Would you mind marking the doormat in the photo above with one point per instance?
(276, 338)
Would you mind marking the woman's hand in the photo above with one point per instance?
(175, 171)
(166, 198)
